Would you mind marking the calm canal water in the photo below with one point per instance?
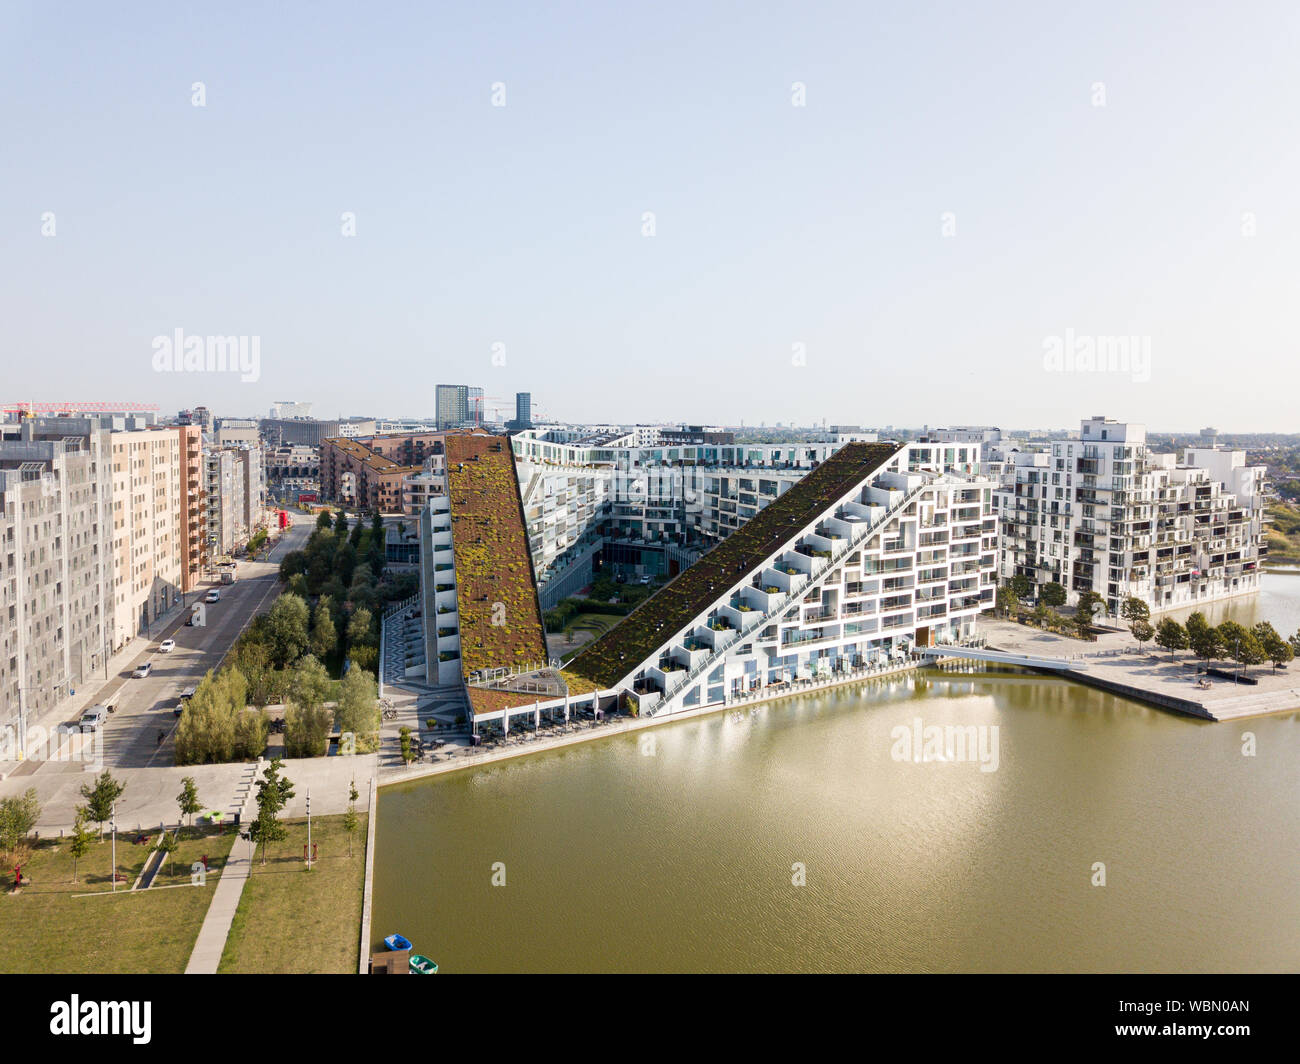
(618, 859)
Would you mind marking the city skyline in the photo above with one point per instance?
(708, 218)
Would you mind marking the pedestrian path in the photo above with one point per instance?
(208, 947)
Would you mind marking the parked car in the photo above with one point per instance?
(141, 671)
(94, 718)
(212, 596)
(167, 646)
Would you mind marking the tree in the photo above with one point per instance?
(1083, 626)
(1277, 649)
(1134, 609)
(306, 721)
(1171, 636)
(1022, 586)
(1052, 594)
(324, 639)
(1197, 627)
(345, 562)
(1088, 605)
(251, 730)
(310, 683)
(1041, 614)
(1241, 644)
(273, 794)
(359, 628)
(101, 797)
(167, 844)
(292, 564)
(286, 628)
(18, 817)
(1142, 630)
(364, 658)
(307, 731)
(358, 708)
(1007, 603)
(323, 521)
(350, 819)
(188, 799)
(81, 838)
(253, 660)
(341, 523)
(210, 730)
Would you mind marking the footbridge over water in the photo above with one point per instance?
(1001, 657)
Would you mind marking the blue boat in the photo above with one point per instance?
(397, 942)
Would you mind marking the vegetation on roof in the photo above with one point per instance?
(607, 660)
(496, 597)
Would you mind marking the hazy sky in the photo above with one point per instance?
(949, 206)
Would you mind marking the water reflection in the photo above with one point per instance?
(680, 857)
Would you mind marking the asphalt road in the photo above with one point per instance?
(144, 706)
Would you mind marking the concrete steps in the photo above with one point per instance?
(245, 792)
(1254, 704)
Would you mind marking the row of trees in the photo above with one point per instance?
(1045, 612)
(19, 814)
(340, 574)
(1228, 640)
(219, 725)
(282, 658)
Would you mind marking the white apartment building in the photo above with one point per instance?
(147, 540)
(650, 509)
(289, 409)
(1101, 512)
(883, 548)
(225, 504)
(53, 634)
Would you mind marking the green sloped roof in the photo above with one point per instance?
(607, 660)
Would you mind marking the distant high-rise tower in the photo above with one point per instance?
(451, 403)
(523, 418)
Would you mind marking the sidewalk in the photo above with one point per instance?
(208, 947)
(96, 689)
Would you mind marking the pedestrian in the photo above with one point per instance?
(161, 736)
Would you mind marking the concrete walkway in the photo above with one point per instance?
(208, 948)
(1155, 674)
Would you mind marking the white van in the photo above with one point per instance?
(93, 719)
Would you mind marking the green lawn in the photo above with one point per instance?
(1284, 536)
(290, 920)
(52, 927)
(595, 623)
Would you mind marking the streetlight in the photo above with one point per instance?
(112, 827)
(309, 828)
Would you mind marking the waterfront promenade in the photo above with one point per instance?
(1115, 662)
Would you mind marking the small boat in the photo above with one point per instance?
(397, 942)
(421, 965)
